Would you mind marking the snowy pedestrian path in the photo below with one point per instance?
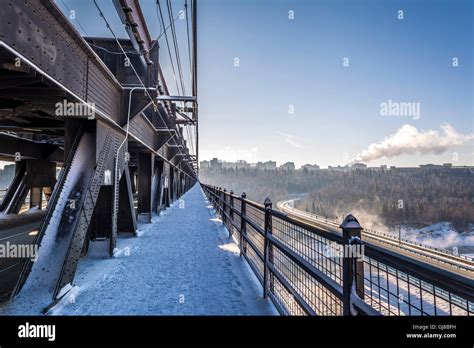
(182, 264)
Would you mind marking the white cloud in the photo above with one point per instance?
(409, 140)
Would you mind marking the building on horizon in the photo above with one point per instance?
(436, 166)
(269, 165)
(359, 166)
(204, 164)
(337, 169)
(240, 164)
(215, 164)
(310, 167)
(382, 168)
(288, 166)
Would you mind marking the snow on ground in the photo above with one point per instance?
(442, 235)
(182, 264)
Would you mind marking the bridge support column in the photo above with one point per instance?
(30, 177)
(171, 184)
(175, 185)
(100, 226)
(145, 174)
(165, 199)
(13, 189)
(180, 184)
(36, 200)
(126, 220)
(133, 174)
(157, 187)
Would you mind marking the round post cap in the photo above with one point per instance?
(267, 202)
(350, 223)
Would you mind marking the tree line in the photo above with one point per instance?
(397, 196)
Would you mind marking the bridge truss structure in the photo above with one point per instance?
(98, 112)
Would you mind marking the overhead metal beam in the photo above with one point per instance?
(87, 78)
(131, 16)
(176, 98)
(11, 147)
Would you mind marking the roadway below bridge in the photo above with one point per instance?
(183, 263)
(436, 257)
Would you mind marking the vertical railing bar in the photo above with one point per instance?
(224, 208)
(231, 212)
(243, 226)
(266, 242)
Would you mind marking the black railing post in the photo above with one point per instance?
(231, 212)
(243, 228)
(351, 229)
(219, 201)
(224, 207)
(268, 230)
(214, 199)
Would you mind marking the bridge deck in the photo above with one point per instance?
(182, 264)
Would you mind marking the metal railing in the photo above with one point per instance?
(307, 270)
(436, 254)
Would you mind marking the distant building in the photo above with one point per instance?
(436, 166)
(337, 169)
(359, 166)
(382, 168)
(269, 165)
(429, 166)
(288, 166)
(310, 167)
(215, 164)
(240, 164)
(227, 165)
(204, 164)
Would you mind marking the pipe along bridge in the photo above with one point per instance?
(100, 146)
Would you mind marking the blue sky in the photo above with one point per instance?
(298, 64)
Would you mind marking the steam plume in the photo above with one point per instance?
(409, 140)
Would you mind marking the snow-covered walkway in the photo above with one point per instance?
(182, 264)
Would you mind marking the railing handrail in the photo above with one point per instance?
(387, 235)
(224, 202)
